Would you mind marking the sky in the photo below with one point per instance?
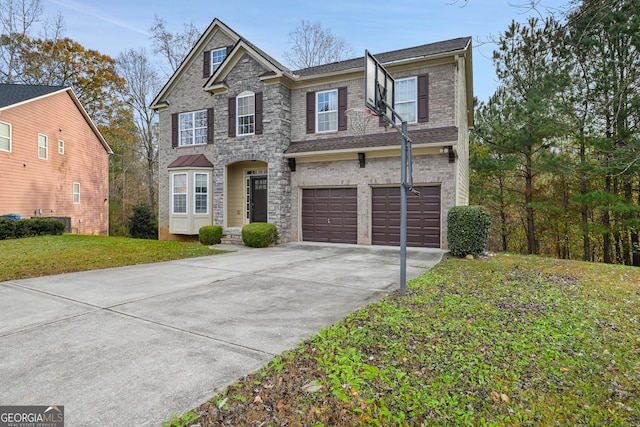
(114, 26)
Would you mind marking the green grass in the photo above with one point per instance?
(506, 340)
(46, 255)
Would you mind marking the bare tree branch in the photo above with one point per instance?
(313, 45)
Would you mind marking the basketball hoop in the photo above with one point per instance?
(359, 118)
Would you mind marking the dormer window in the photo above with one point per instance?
(212, 60)
(217, 56)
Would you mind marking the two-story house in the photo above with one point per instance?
(244, 139)
(54, 162)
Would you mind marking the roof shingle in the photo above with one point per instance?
(387, 139)
(15, 93)
(385, 57)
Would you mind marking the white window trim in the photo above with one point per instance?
(216, 65)
(318, 112)
(60, 146)
(415, 98)
(76, 194)
(46, 146)
(193, 129)
(7, 138)
(239, 116)
(173, 193)
(195, 181)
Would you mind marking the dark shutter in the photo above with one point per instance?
(232, 117)
(206, 64)
(210, 125)
(311, 112)
(423, 98)
(258, 118)
(342, 108)
(174, 130)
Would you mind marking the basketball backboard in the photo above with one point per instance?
(378, 87)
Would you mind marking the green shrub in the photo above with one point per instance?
(259, 234)
(468, 230)
(24, 228)
(7, 228)
(143, 223)
(47, 226)
(210, 234)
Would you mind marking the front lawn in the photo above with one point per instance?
(505, 340)
(46, 255)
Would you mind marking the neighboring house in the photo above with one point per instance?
(243, 139)
(53, 159)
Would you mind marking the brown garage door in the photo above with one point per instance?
(423, 217)
(330, 215)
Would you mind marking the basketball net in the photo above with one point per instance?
(359, 119)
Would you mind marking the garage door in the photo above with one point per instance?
(423, 217)
(330, 215)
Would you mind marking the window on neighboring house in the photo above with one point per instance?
(327, 111)
(5, 137)
(60, 146)
(179, 193)
(42, 146)
(217, 56)
(201, 193)
(406, 99)
(193, 128)
(245, 113)
(76, 193)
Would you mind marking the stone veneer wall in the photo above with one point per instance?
(268, 147)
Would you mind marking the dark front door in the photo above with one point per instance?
(259, 199)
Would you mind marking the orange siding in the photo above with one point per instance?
(30, 186)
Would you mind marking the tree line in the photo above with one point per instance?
(556, 149)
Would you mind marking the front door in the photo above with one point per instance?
(258, 199)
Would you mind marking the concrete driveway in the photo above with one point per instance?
(131, 346)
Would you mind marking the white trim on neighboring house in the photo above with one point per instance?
(43, 146)
(6, 138)
(76, 193)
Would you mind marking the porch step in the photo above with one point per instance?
(232, 236)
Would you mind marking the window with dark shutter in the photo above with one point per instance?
(174, 130)
(311, 112)
(423, 98)
(342, 108)
(206, 64)
(258, 112)
(232, 117)
(210, 118)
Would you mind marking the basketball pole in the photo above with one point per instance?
(406, 184)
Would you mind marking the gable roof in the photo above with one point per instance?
(216, 25)
(13, 95)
